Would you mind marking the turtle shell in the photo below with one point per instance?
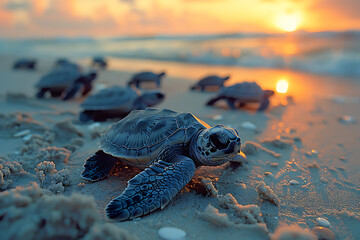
(146, 76)
(211, 80)
(139, 137)
(61, 77)
(111, 98)
(246, 91)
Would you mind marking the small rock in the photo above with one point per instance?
(217, 117)
(248, 126)
(171, 233)
(268, 174)
(22, 133)
(27, 137)
(294, 182)
(94, 126)
(323, 233)
(323, 222)
(347, 119)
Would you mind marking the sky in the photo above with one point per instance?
(107, 18)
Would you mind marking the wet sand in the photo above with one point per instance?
(303, 158)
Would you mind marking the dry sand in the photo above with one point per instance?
(303, 161)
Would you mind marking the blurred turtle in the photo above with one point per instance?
(242, 93)
(146, 77)
(99, 62)
(63, 62)
(210, 81)
(117, 102)
(25, 64)
(168, 146)
(64, 79)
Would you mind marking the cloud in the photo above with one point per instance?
(340, 8)
(17, 5)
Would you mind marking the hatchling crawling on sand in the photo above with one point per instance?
(65, 80)
(141, 77)
(117, 102)
(210, 81)
(169, 146)
(243, 93)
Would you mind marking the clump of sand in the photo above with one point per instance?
(66, 131)
(50, 179)
(236, 215)
(28, 213)
(7, 170)
(16, 122)
(252, 148)
(39, 148)
(266, 193)
(292, 232)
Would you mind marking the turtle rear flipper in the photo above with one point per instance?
(98, 166)
(42, 92)
(151, 189)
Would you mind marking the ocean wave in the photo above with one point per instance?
(334, 53)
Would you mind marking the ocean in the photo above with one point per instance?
(328, 53)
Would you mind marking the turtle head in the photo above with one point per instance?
(149, 99)
(268, 93)
(217, 145)
(91, 76)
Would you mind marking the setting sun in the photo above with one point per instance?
(288, 22)
(282, 86)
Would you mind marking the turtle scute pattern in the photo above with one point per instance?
(150, 129)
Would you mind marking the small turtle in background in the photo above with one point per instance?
(210, 81)
(64, 80)
(99, 62)
(243, 93)
(117, 102)
(25, 64)
(169, 146)
(141, 77)
(63, 62)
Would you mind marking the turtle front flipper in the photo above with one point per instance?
(98, 166)
(214, 100)
(151, 189)
(264, 104)
(70, 93)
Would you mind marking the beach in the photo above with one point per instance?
(302, 166)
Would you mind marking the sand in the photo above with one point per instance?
(309, 141)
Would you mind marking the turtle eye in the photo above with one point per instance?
(218, 141)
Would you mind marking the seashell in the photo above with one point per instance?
(248, 126)
(171, 233)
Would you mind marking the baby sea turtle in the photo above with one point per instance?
(169, 146)
(242, 93)
(25, 64)
(210, 81)
(99, 62)
(115, 102)
(65, 79)
(138, 78)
